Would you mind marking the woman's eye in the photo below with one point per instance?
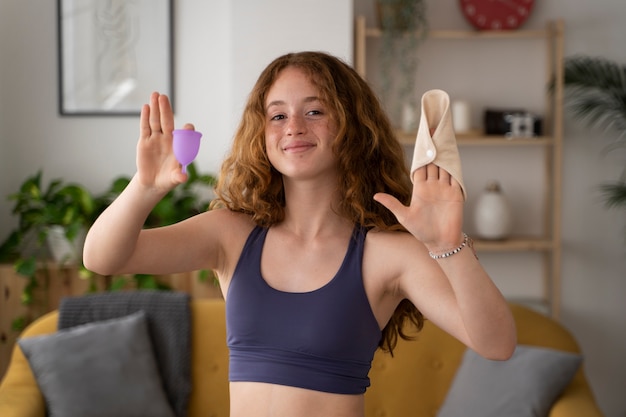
(278, 117)
(314, 112)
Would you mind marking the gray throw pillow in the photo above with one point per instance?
(527, 385)
(100, 369)
(169, 325)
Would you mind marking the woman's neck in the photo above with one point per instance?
(311, 210)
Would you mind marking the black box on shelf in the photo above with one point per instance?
(513, 123)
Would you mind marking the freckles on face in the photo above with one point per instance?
(299, 128)
(295, 114)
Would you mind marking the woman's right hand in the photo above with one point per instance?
(157, 167)
(114, 242)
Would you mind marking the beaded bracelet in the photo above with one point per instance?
(453, 251)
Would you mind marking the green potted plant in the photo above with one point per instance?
(403, 25)
(66, 210)
(56, 214)
(595, 92)
(46, 214)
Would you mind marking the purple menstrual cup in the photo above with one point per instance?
(186, 145)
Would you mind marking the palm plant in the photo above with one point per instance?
(595, 92)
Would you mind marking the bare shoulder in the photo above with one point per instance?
(388, 258)
(386, 242)
(389, 254)
(229, 230)
(399, 257)
(228, 219)
(226, 226)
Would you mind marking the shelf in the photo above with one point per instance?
(517, 244)
(408, 138)
(473, 34)
(548, 244)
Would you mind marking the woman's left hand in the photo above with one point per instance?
(435, 214)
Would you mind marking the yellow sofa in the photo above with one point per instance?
(412, 383)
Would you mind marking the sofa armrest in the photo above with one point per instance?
(577, 400)
(19, 393)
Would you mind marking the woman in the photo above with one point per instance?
(320, 241)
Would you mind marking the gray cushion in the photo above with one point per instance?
(100, 369)
(169, 327)
(528, 384)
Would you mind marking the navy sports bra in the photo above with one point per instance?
(322, 340)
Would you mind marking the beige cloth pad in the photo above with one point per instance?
(441, 148)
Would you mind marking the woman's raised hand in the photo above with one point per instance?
(435, 215)
(157, 166)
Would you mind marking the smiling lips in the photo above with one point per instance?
(298, 146)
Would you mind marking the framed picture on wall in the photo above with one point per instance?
(113, 54)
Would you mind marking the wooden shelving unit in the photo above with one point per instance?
(549, 243)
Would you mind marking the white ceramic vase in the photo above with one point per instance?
(63, 251)
(492, 215)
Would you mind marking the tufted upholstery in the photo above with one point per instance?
(412, 383)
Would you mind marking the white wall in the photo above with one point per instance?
(259, 36)
(222, 45)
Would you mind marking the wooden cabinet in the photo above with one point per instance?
(547, 241)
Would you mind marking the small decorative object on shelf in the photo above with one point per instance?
(461, 117)
(492, 216)
(512, 123)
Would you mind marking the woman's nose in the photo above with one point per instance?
(296, 125)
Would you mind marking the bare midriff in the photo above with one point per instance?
(254, 399)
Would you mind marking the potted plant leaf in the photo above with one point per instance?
(52, 221)
(403, 25)
(58, 213)
(63, 211)
(595, 92)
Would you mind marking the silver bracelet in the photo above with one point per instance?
(453, 251)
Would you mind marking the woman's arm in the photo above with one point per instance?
(454, 292)
(112, 239)
(469, 305)
(116, 242)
